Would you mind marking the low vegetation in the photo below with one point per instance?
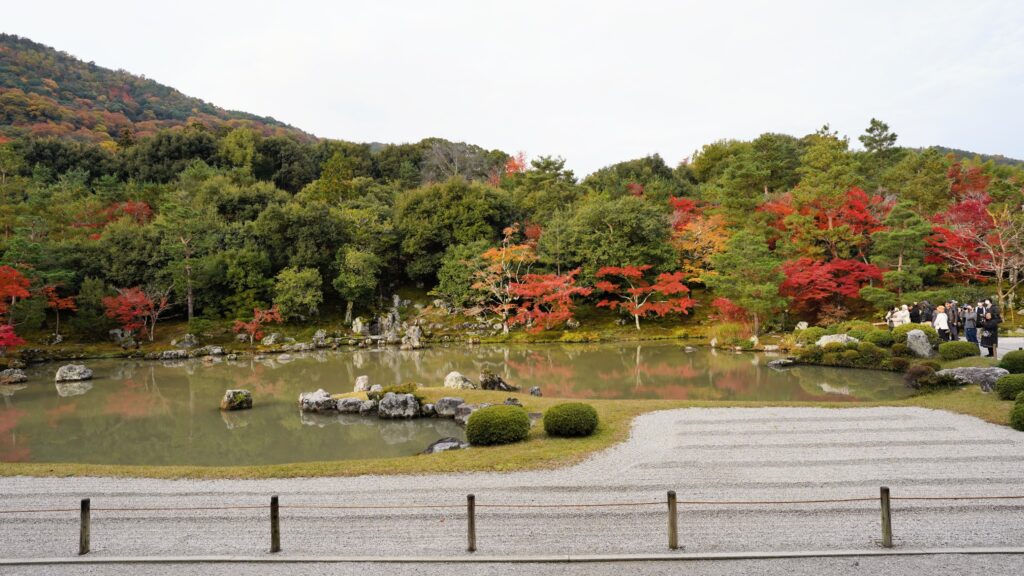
(499, 424)
(571, 419)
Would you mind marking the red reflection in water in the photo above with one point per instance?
(11, 450)
(134, 401)
(54, 415)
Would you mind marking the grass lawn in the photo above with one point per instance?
(537, 452)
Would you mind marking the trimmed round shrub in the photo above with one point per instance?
(1013, 361)
(1017, 414)
(570, 419)
(810, 335)
(957, 350)
(497, 425)
(899, 333)
(881, 338)
(1010, 386)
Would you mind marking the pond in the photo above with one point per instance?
(165, 413)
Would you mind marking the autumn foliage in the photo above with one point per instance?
(136, 310)
(254, 328)
(546, 300)
(629, 290)
(13, 287)
(55, 302)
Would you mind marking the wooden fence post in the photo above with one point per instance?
(673, 522)
(83, 531)
(471, 522)
(886, 518)
(275, 526)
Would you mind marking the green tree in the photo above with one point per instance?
(89, 320)
(878, 138)
(298, 292)
(456, 275)
(920, 178)
(901, 248)
(748, 274)
(357, 278)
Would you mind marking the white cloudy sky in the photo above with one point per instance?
(593, 81)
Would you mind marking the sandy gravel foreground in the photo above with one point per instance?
(704, 454)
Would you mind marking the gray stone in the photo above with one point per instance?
(349, 405)
(12, 376)
(802, 325)
(491, 381)
(362, 384)
(445, 444)
(208, 351)
(781, 363)
(411, 340)
(236, 400)
(513, 402)
(398, 406)
(73, 388)
(770, 348)
(754, 341)
(358, 327)
(535, 391)
(73, 373)
(447, 406)
(319, 401)
(458, 381)
(174, 354)
(918, 343)
(376, 388)
(984, 377)
(284, 358)
(689, 349)
(368, 407)
(427, 410)
(464, 411)
(572, 323)
(242, 337)
(836, 339)
(714, 342)
(272, 339)
(185, 342)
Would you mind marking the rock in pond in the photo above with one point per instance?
(445, 444)
(368, 407)
(458, 381)
(984, 377)
(781, 363)
(236, 400)
(272, 339)
(836, 339)
(491, 381)
(398, 406)
(12, 376)
(362, 384)
(73, 388)
(428, 410)
(535, 391)
(918, 343)
(447, 406)
(319, 401)
(73, 373)
(349, 405)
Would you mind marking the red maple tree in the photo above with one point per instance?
(546, 300)
(813, 284)
(254, 328)
(640, 297)
(13, 287)
(136, 310)
(56, 303)
(8, 339)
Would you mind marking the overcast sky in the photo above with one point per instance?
(593, 81)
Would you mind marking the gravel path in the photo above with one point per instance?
(703, 454)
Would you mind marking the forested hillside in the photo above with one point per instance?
(209, 223)
(44, 92)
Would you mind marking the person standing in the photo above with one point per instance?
(927, 312)
(915, 313)
(970, 318)
(902, 316)
(989, 333)
(953, 312)
(941, 323)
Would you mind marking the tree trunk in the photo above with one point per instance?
(757, 325)
(57, 329)
(636, 320)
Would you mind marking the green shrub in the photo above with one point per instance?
(881, 338)
(497, 425)
(899, 333)
(870, 354)
(570, 419)
(931, 364)
(898, 364)
(834, 348)
(903, 350)
(831, 359)
(1010, 386)
(810, 355)
(810, 335)
(858, 334)
(957, 350)
(579, 337)
(1013, 361)
(1017, 414)
(854, 325)
(407, 388)
(850, 357)
(916, 373)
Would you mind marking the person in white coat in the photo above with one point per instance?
(941, 323)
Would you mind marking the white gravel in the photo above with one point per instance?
(703, 454)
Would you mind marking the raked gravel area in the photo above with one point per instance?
(721, 454)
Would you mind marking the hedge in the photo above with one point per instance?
(958, 349)
(881, 338)
(1010, 386)
(1017, 414)
(1013, 361)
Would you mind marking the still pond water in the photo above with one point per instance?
(147, 412)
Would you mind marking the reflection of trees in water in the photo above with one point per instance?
(11, 449)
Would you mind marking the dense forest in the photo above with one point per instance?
(178, 208)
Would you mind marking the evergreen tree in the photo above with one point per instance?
(748, 274)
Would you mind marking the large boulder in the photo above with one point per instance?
(836, 339)
(349, 405)
(802, 325)
(362, 384)
(207, 351)
(917, 342)
(12, 376)
(447, 406)
(491, 381)
(458, 381)
(73, 373)
(236, 400)
(73, 388)
(535, 391)
(427, 410)
(319, 401)
(360, 328)
(445, 444)
(984, 377)
(398, 406)
(185, 342)
(174, 355)
(272, 339)
(368, 407)
(319, 339)
(411, 340)
(780, 363)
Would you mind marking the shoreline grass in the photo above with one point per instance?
(538, 452)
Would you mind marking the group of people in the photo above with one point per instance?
(979, 323)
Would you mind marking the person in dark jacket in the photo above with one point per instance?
(927, 314)
(989, 333)
(915, 313)
(970, 317)
(953, 312)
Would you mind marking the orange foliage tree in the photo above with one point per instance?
(640, 297)
(546, 300)
(56, 303)
(254, 328)
(503, 267)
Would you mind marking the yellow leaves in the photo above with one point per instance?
(697, 241)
